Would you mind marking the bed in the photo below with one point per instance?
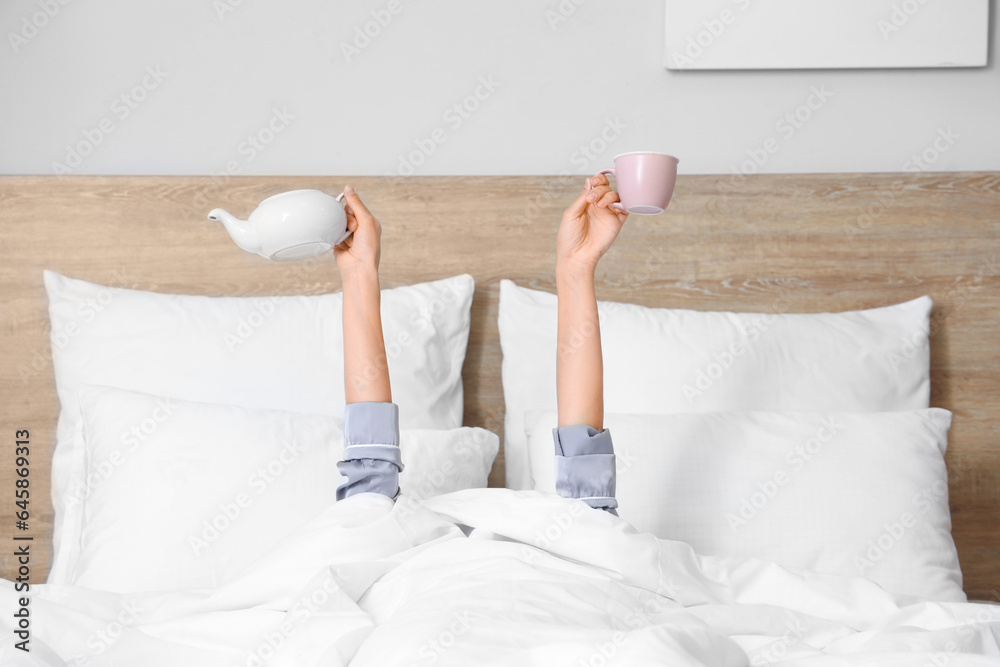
(814, 243)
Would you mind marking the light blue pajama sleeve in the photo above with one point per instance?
(372, 461)
(585, 460)
(585, 465)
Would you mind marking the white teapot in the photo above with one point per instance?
(292, 225)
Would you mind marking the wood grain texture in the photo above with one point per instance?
(772, 243)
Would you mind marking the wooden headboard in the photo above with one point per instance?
(811, 243)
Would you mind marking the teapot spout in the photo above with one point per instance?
(242, 232)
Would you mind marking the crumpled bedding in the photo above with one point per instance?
(500, 577)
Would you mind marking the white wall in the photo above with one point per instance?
(559, 86)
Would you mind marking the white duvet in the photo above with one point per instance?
(500, 577)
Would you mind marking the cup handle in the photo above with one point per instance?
(347, 233)
(616, 205)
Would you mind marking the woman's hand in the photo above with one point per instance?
(363, 248)
(589, 226)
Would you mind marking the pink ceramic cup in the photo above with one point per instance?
(645, 181)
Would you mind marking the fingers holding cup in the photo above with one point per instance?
(607, 199)
(612, 202)
(599, 179)
(598, 192)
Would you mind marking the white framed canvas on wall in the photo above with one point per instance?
(824, 34)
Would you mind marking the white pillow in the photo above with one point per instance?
(661, 361)
(844, 493)
(278, 352)
(185, 494)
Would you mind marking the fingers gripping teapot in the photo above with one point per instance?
(292, 225)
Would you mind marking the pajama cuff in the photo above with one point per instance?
(371, 460)
(371, 422)
(585, 465)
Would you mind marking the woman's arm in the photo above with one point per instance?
(579, 365)
(366, 369)
(589, 227)
(371, 460)
(585, 459)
